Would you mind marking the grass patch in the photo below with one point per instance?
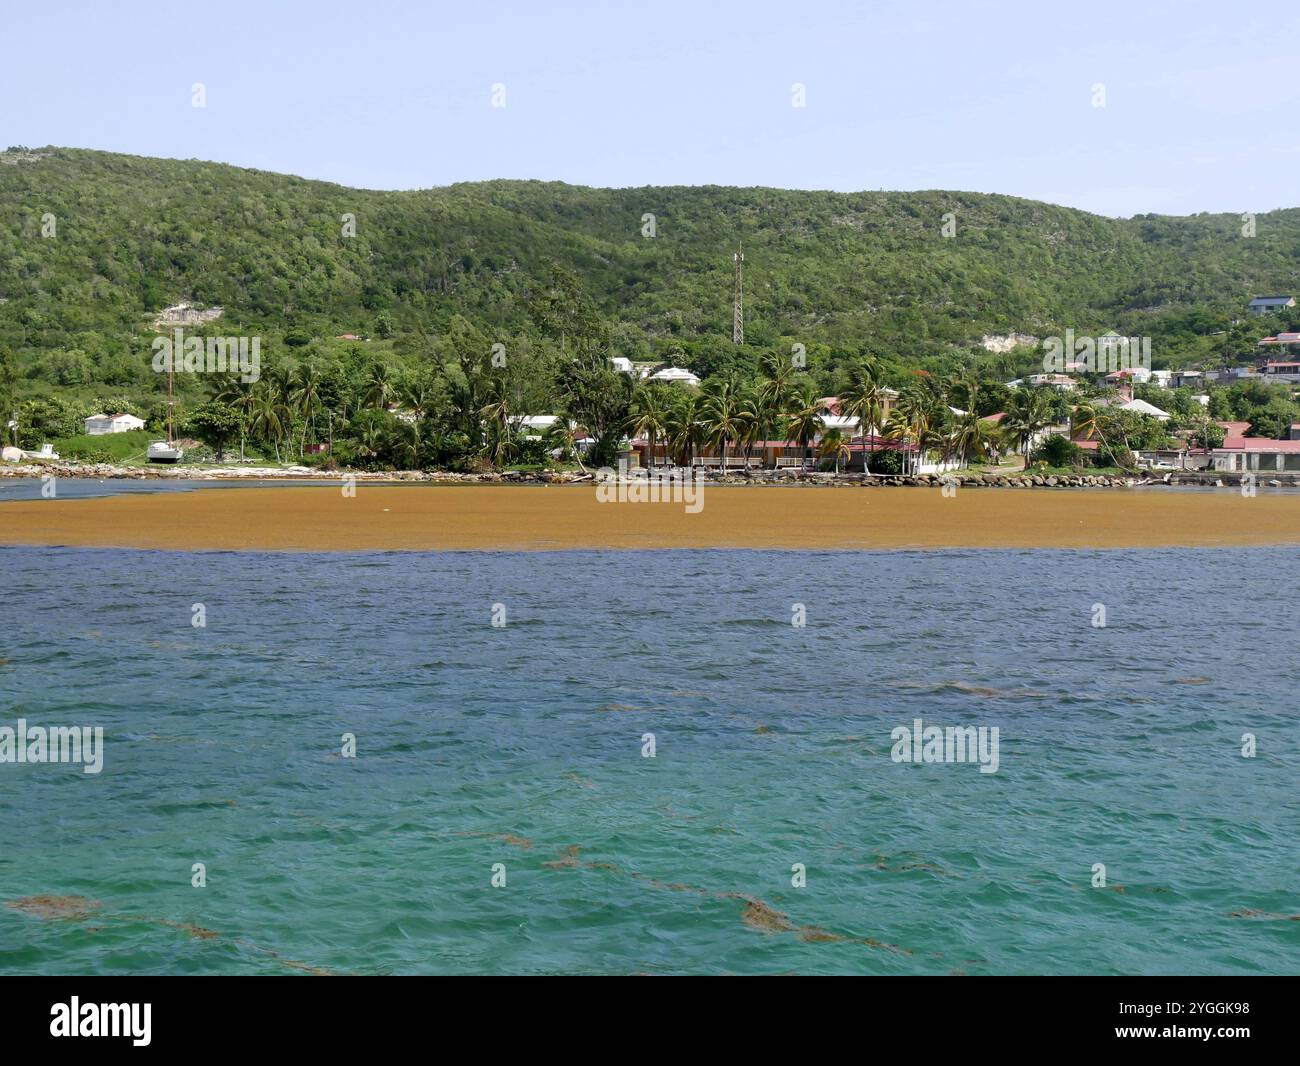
(107, 447)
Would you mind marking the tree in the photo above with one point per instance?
(649, 416)
(804, 418)
(215, 424)
(306, 399)
(599, 399)
(864, 400)
(721, 413)
(835, 445)
(1028, 413)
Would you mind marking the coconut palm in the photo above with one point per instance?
(751, 423)
(649, 416)
(971, 438)
(562, 436)
(305, 398)
(500, 425)
(685, 429)
(268, 418)
(403, 443)
(864, 400)
(241, 395)
(835, 445)
(720, 410)
(803, 421)
(378, 389)
(778, 383)
(901, 428)
(1028, 413)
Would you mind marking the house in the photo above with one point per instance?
(532, 427)
(1181, 378)
(621, 364)
(1288, 371)
(1263, 305)
(1138, 375)
(98, 425)
(1256, 453)
(1061, 382)
(677, 376)
(849, 425)
(1143, 408)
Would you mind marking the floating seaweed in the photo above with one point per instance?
(55, 907)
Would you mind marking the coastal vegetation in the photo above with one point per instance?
(421, 337)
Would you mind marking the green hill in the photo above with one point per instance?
(843, 273)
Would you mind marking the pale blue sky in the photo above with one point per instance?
(1202, 99)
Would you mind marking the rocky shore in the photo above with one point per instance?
(967, 479)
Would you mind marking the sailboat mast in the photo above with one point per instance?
(171, 367)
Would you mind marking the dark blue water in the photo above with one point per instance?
(522, 745)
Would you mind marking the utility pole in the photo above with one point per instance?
(738, 311)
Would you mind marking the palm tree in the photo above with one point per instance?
(778, 383)
(835, 445)
(417, 394)
(918, 418)
(649, 417)
(306, 399)
(378, 389)
(267, 419)
(403, 443)
(751, 423)
(720, 410)
(901, 428)
(804, 417)
(685, 430)
(501, 436)
(562, 436)
(864, 400)
(242, 396)
(971, 437)
(1028, 413)
(371, 441)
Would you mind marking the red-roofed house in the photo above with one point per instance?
(1256, 453)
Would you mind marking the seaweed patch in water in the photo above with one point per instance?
(55, 907)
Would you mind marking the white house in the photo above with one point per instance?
(676, 375)
(98, 425)
(622, 364)
(533, 427)
(1144, 408)
(1062, 382)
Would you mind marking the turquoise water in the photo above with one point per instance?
(479, 745)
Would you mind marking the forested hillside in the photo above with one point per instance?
(851, 274)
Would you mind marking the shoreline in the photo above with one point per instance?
(757, 478)
(516, 518)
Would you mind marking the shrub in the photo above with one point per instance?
(885, 462)
(1057, 451)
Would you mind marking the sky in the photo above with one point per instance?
(1116, 108)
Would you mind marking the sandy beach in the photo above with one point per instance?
(488, 518)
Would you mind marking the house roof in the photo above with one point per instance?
(1270, 301)
(1259, 444)
(1143, 408)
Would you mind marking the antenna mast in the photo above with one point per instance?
(738, 310)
